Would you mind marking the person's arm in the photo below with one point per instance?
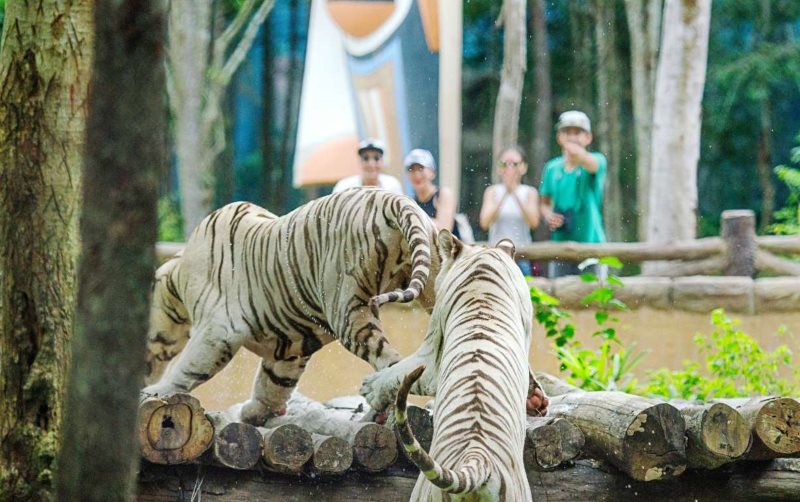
(489, 209)
(553, 219)
(529, 207)
(445, 209)
(581, 157)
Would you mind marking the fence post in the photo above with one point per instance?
(738, 232)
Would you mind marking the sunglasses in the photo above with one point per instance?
(367, 157)
(509, 163)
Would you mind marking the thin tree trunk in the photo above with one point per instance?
(581, 25)
(676, 121)
(644, 26)
(764, 159)
(509, 96)
(293, 87)
(271, 170)
(44, 76)
(608, 107)
(124, 158)
(543, 118)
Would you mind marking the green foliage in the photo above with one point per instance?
(735, 366)
(788, 217)
(170, 222)
(611, 365)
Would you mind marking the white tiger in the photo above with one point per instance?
(285, 286)
(476, 364)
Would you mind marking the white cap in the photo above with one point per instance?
(421, 157)
(371, 144)
(574, 118)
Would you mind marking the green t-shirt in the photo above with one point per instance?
(580, 192)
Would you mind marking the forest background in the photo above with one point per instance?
(750, 107)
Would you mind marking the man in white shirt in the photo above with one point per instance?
(371, 153)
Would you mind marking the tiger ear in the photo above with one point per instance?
(449, 245)
(507, 246)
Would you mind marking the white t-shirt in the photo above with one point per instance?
(385, 181)
(510, 222)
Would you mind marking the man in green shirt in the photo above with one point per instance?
(571, 191)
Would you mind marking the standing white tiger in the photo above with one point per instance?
(285, 286)
(476, 353)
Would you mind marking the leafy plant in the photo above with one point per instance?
(735, 366)
(170, 222)
(788, 217)
(608, 367)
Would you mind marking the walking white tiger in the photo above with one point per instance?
(285, 286)
(477, 367)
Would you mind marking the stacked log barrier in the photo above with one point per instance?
(374, 446)
(551, 442)
(173, 429)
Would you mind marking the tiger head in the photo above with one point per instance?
(452, 250)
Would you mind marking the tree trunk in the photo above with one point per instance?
(644, 26)
(543, 118)
(199, 70)
(580, 27)
(681, 76)
(764, 166)
(509, 95)
(44, 75)
(609, 111)
(125, 157)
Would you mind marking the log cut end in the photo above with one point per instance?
(724, 432)
(374, 447)
(332, 455)
(654, 444)
(287, 448)
(173, 429)
(238, 446)
(778, 426)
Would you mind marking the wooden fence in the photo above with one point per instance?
(738, 252)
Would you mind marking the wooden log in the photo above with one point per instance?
(173, 429)
(707, 266)
(374, 446)
(332, 455)
(550, 442)
(777, 480)
(642, 437)
(779, 244)
(627, 252)
(770, 264)
(554, 386)
(286, 448)
(716, 434)
(236, 445)
(774, 423)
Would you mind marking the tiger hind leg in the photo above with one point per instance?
(169, 327)
(209, 350)
(272, 387)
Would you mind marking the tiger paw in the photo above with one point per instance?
(536, 404)
(380, 389)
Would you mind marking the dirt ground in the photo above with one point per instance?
(332, 371)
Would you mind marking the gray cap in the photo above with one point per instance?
(371, 144)
(574, 118)
(421, 157)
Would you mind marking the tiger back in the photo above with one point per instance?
(479, 375)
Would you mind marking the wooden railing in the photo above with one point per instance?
(738, 252)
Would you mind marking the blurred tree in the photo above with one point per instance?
(44, 69)
(609, 96)
(509, 96)
(581, 63)
(199, 68)
(644, 26)
(676, 121)
(125, 156)
(542, 132)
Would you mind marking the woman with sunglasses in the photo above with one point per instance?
(438, 203)
(510, 209)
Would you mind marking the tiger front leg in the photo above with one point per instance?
(361, 332)
(272, 387)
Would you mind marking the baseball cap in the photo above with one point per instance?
(574, 118)
(421, 157)
(371, 144)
